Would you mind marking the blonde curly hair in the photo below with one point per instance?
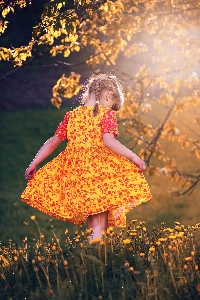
(100, 83)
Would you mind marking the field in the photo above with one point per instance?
(156, 257)
(23, 133)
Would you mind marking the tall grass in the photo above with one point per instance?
(132, 264)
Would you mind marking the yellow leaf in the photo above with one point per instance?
(59, 6)
(77, 48)
(5, 12)
(66, 53)
(104, 7)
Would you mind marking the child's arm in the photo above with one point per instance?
(111, 143)
(49, 146)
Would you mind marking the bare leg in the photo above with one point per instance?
(98, 223)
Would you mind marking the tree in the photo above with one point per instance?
(153, 46)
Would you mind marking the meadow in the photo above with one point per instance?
(150, 259)
(159, 264)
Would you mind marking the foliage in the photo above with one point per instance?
(133, 265)
(161, 40)
(5, 8)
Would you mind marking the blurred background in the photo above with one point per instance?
(28, 119)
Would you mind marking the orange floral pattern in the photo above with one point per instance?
(87, 178)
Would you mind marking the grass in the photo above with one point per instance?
(135, 264)
(23, 132)
(41, 258)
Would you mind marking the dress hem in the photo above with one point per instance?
(75, 221)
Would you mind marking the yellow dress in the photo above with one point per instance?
(87, 178)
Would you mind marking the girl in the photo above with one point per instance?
(95, 177)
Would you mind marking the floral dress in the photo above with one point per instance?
(87, 178)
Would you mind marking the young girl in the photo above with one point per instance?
(95, 177)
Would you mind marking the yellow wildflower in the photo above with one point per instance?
(141, 254)
(126, 241)
(65, 262)
(158, 243)
(177, 227)
(172, 237)
(152, 249)
(53, 247)
(192, 252)
(189, 258)
(162, 239)
(180, 234)
(177, 223)
(110, 228)
(15, 258)
(133, 233)
(97, 240)
(196, 267)
(4, 262)
(33, 218)
(89, 230)
(131, 269)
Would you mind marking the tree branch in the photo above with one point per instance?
(82, 13)
(152, 144)
(6, 4)
(25, 63)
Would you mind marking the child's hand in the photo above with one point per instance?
(30, 172)
(139, 162)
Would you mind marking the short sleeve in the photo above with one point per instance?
(61, 131)
(109, 123)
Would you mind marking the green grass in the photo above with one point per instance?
(24, 132)
(138, 263)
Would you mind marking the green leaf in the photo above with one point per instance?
(93, 259)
